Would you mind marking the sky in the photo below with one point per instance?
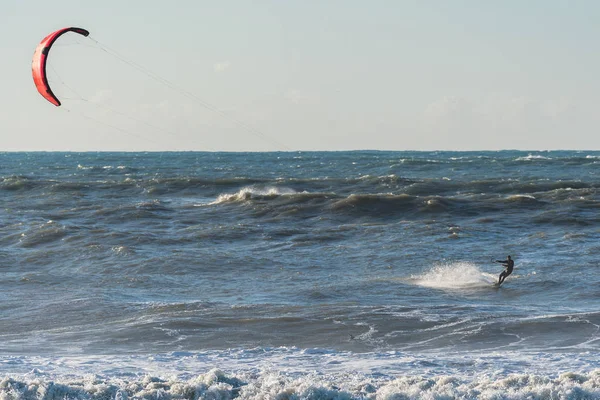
(272, 75)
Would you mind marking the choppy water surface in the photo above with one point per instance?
(361, 275)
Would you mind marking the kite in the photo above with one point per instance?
(38, 65)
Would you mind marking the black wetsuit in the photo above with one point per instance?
(509, 268)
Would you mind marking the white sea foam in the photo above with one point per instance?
(249, 192)
(455, 276)
(290, 373)
(531, 157)
(517, 197)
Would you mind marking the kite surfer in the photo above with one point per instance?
(508, 265)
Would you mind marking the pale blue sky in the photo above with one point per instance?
(305, 75)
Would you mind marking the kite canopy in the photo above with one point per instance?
(38, 65)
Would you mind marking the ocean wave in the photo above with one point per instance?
(549, 186)
(420, 206)
(42, 234)
(17, 182)
(493, 187)
(195, 184)
(256, 193)
(446, 185)
(271, 384)
(377, 204)
(533, 157)
(561, 205)
(120, 169)
(142, 210)
(522, 198)
(566, 218)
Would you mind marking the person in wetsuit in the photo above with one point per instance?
(508, 264)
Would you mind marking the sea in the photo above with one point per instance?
(299, 275)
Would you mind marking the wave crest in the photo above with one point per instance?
(251, 192)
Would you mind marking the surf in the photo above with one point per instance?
(455, 275)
